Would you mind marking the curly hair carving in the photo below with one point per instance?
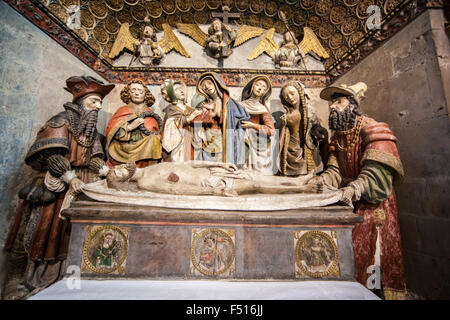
(126, 96)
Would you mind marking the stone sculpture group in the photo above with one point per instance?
(211, 145)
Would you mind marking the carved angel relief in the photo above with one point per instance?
(267, 45)
(213, 41)
(147, 49)
(290, 53)
(218, 42)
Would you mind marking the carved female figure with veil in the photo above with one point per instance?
(177, 133)
(260, 129)
(302, 133)
(218, 131)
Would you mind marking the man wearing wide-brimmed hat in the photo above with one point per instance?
(64, 150)
(363, 163)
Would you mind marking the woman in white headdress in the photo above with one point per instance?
(260, 129)
(177, 134)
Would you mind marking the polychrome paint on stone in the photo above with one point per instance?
(33, 70)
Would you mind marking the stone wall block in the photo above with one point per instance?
(423, 147)
(409, 232)
(410, 196)
(437, 191)
(431, 275)
(434, 236)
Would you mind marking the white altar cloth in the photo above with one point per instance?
(67, 289)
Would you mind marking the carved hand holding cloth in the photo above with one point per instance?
(371, 164)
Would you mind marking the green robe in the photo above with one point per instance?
(104, 256)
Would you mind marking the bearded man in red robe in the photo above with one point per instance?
(134, 132)
(363, 162)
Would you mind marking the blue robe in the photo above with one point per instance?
(232, 115)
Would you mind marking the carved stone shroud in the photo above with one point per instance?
(160, 238)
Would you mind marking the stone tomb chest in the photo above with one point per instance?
(259, 237)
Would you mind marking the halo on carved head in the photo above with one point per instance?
(164, 93)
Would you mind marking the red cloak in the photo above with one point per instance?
(376, 142)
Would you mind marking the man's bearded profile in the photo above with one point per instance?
(119, 176)
(344, 120)
(88, 123)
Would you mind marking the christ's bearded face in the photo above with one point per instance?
(121, 172)
(118, 177)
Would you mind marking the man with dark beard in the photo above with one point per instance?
(63, 151)
(363, 162)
